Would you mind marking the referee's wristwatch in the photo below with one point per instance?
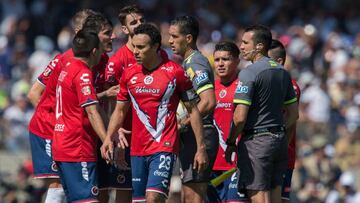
(230, 143)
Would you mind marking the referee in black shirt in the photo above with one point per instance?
(264, 91)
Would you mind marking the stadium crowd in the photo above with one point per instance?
(322, 39)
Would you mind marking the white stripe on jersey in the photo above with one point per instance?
(161, 114)
(221, 136)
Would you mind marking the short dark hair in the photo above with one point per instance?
(150, 30)
(187, 25)
(262, 34)
(280, 49)
(78, 20)
(231, 47)
(96, 22)
(84, 42)
(128, 10)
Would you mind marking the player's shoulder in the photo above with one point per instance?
(197, 58)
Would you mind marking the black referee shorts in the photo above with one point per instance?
(188, 150)
(262, 161)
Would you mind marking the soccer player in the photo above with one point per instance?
(263, 92)
(278, 53)
(41, 126)
(226, 60)
(183, 33)
(130, 17)
(113, 178)
(78, 122)
(154, 85)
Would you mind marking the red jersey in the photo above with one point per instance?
(292, 144)
(42, 122)
(155, 96)
(121, 60)
(223, 115)
(74, 138)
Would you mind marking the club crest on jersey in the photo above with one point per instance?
(120, 178)
(222, 93)
(201, 77)
(95, 190)
(86, 90)
(148, 80)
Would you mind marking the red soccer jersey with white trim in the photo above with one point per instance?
(154, 96)
(292, 144)
(74, 138)
(42, 122)
(223, 115)
(121, 60)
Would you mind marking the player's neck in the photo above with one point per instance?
(86, 61)
(189, 51)
(129, 44)
(227, 80)
(257, 57)
(153, 64)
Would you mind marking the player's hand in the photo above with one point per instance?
(229, 153)
(201, 160)
(122, 141)
(112, 91)
(119, 159)
(107, 149)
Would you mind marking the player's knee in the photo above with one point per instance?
(154, 197)
(53, 183)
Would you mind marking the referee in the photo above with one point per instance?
(264, 91)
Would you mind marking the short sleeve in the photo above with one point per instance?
(123, 94)
(245, 88)
(184, 86)
(114, 70)
(290, 96)
(43, 78)
(85, 88)
(200, 77)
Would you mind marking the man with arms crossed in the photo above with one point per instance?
(278, 53)
(263, 92)
(155, 85)
(183, 33)
(226, 60)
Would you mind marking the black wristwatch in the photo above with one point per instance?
(228, 143)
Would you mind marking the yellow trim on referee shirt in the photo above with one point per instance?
(188, 59)
(241, 101)
(293, 100)
(205, 87)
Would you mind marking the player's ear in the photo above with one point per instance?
(189, 38)
(280, 60)
(259, 47)
(125, 30)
